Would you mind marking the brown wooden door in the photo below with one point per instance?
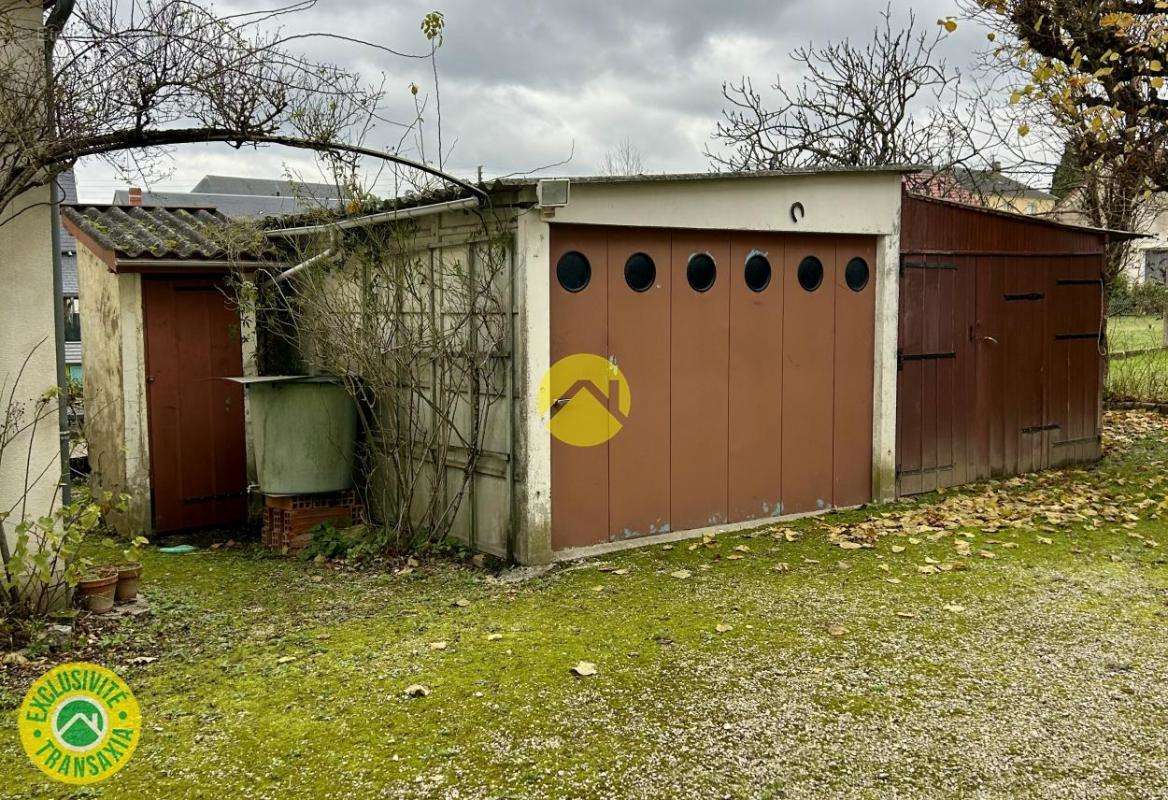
(935, 374)
(197, 452)
(1010, 334)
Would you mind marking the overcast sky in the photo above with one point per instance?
(528, 83)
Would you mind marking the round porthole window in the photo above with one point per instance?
(758, 272)
(640, 272)
(856, 274)
(701, 272)
(810, 273)
(573, 271)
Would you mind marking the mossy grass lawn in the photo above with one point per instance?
(960, 653)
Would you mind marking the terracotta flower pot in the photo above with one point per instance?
(128, 575)
(96, 590)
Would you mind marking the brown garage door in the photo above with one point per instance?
(197, 462)
(749, 360)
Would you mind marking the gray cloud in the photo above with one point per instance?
(523, 81)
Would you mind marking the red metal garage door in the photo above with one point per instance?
(197, 457)
(751, 388)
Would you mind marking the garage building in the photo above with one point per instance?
(788, 342)
(772, 344)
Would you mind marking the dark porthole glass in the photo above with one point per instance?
(640, 272)
(573, 271)
(810, 273)
(701, 272)
(856, 274)
(758, 272)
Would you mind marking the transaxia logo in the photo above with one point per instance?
(585, 399)
(79, 723)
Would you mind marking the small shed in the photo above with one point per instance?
(1000, 346)
(160, 332)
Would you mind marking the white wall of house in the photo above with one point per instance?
(26, 323)
(1157, 229)
(115, 387)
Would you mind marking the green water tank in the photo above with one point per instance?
(304, 433)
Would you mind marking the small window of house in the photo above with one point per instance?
(810, 273)
(640, 272)
(758, 272)
(856, 274)
(701, 272)
(573, 271)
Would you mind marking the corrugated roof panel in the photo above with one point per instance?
(183, 234)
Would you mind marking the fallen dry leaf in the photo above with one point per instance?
(417, 690)
(953, 608)
(681, 574)
(722, 627)
(437, 645)
(906, 614)
(285, 659)
(584, 669)
(494, 637)
(837, 630)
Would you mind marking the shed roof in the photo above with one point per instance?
(183, 236)
(1114, 235)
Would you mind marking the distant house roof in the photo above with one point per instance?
(137, 236)
(244, 198)
(69, 283)
(988, 183)
(238, 206)
(229, 184)
(67, 187)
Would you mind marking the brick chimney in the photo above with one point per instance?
(135, 196)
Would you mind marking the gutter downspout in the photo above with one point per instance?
(59, 342)
(303, 265)
(55, 23)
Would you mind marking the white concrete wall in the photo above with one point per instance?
(534, 523)
(862, 203)
(26, 324)
(115, 388)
